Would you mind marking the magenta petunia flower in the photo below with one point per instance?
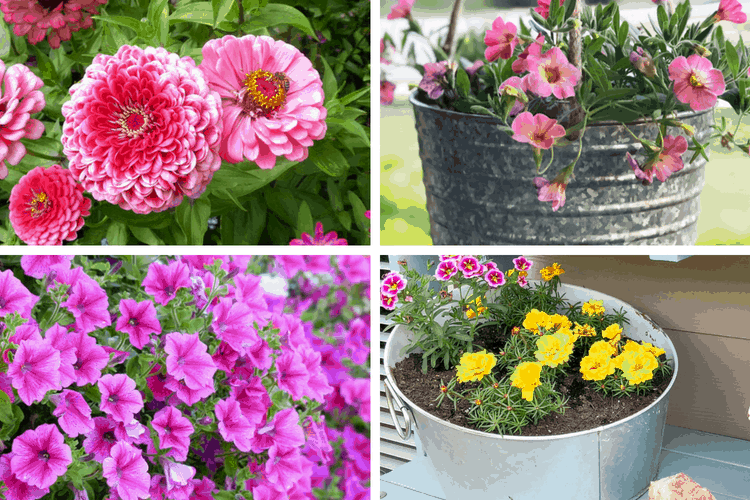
(253, 399)
(292, 375)
(173, 430)
(14, 297)
(356, 393)
(126, 472)
(355, 268)
(730, 10)
(663, 164)
(58, 337)
(402, 9)
(696, 81)
(88, 304)
(387, 92)
(101, 438)
(178, 478)
(500, 40)
(33, 18)
(552, 74)
(435, 80)
(388, 302)
(188, 360)
(392, 284)
(203, 489)
(248, 290)
(119, 397)
(157, 127)
(91, 358)
(469, 266)
(537, 130)
(284, 466)
(543, 7)
(233, 426)
(72, 412)
(163, 280)
(494, 278)
(233, 323)
(546, 191)
(272, 98)
(20, 97)
(17, 489)
(446, 270)
(40, 456)
(186, 394)
(139, 321)
(39, 266)
(283, 431)
(317, 385)
(35, 370)
(27, 331)
(320, 238)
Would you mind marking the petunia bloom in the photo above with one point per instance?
(402, 9)
(39, 266)
(14, 297)
(173, 430)
(157, 126)
(552, 74)
(272, 98)
(730, 10)
(72, 412)
(538, 130)
(284, 466)
(356, 393)
(696, 81)
(163, 280)
(233, 426)
(500, 40)
(387, 92)
(320, 238)
(40, 456)
(47, 206)
(126, 472)
(188, 360)
(33, 18)
(91, 359)
(101, 438)
(20, 98)
(138, 320)
(292, 375)
(284, 430)
(434, 81)
(119, 397)
(392, 284)
(35, 370)
(88, 303)
(17, 489)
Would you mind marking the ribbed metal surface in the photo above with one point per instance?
(612, 462)
(479, 185)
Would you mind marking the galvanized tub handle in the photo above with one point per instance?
(406, 412)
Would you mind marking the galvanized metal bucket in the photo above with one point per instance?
(611, 462)
(479, 185)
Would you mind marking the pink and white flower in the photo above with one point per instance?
(550, 191)
(388, 302)
(664, 163)
(126, 472)
(696, 81)
(494, 278)
(392, 284)
(446, 270)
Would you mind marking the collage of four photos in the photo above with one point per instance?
(581, 166)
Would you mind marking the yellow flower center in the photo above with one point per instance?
(264, 93)
(695, 81)
(133, 120)
(39, 204)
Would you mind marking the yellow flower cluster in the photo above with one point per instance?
(470, 312)
(536, 320)
(526, 378)
(550, 272)
(475, 365)
(553, 350)
(593, 308)
(637, 362)
(584, 330)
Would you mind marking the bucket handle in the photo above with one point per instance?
(390, 395)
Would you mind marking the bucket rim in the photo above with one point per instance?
(608, 123)
(503, 437)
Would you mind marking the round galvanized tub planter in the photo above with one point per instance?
(479, 185)
(611, 462)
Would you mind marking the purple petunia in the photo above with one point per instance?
(188, 360)
(14, 297)
(139, 321)
(126, 472)
(40, 456)
(119, 397)
(88, 304)
(173, 430)
(39, 266)
(162, 281)
(35, 370)
(73, 413)
(233, 426)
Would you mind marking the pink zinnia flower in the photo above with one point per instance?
(119, 397)
(35, 17)
(188, 360)
(292, 375)
(14, 297)
(667, 161)
(537, 130)
(126, 472)
(730, 10)
(387, 90)
(88, 303)
(157, 127)
(446, 270)
(401, 9)
(521, 65)
(284, 431)
(552, 74)
(39, 266)
(35, 370)
(320, 238)
(173, 430)
(434, 81)
(388, 302)
(40, 456)
(494, 278)
(554, 192)
(696, 81)
(162, 280)
(47, 206)
(20, 98)
(72, 412)
(138, 320)
(543, 7)
(500, 40)
(101, 438)
(272, 98)
(392, 284)
(233, 426)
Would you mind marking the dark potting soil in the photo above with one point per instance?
(586, 408)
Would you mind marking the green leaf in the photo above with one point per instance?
(4, 39)
(117, 234)
(463, 85)
(622, 34)
(200, 13)
(304, 219)
(158, 15)
(220, 9)
(358, 208)
(244, 228)
(732, 58)
(46, 68)
(243, 179)
(153, 220)
(6, 409)
(661, 15)
(330, 85)
(283, 203)
(570, 6)
(353, 96)
(143, 30)
(145, 235)
(192, 217)
(275, 14)
(328, 159)
(352, 127)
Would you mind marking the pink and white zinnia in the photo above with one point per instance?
(272, 98)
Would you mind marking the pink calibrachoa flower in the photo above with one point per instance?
(522, 263)
(173, 430)
(139, 321)
(14, 297)
(538, 130)
(554, 191)
(696, 81)
(517, 85)
(388, 302)
(402, 9)
(446, 270)
(126, 472)
(73, 413)
(188, 360)
(233, 426)
(144, 158)
(543, 7)
(663, 163)
(35, 370)
(387, 90)
(32, 18)
(272, 98)
(40, 456)
(20, 97)
(552, 74)
(392, 284)
(284, 430)
(494, 278)
(163, 280)
(39, 266)
(320, 238)
(521, 65)
(434, 81)
(119, 397)
(47, 206)
(88, 303)
(730, 10)
(500, 40)
(469, 266)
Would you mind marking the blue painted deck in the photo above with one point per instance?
(719, 463)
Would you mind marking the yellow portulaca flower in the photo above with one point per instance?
(633, 346)
(475, 365)
(584, 330)
(602, 346)
(535, 319)
(656, 351)
(597, 365)
(637, 366)
(559, 322)
(526, 378)
(593, 308)
(613, 333)
(470, 312)
(550, 272)
(553, 350)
